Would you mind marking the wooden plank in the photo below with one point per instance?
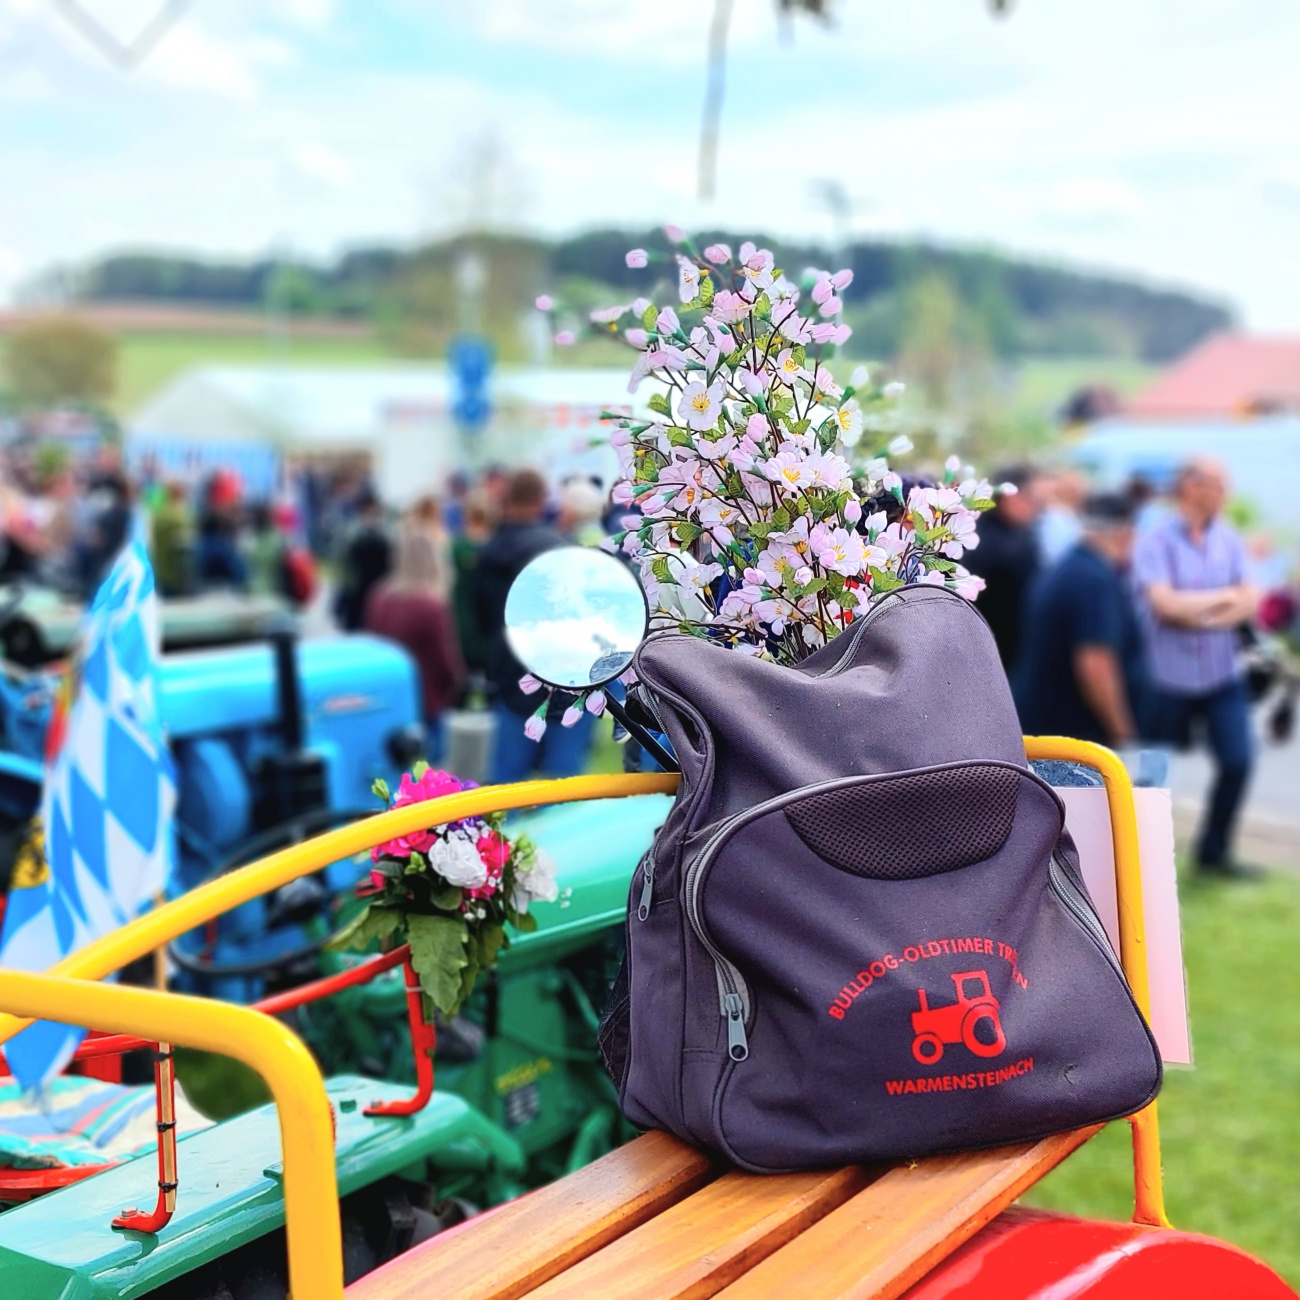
(530, 1240)
(701, 1244)
(890, 1235)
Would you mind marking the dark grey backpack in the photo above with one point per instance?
(861, 931)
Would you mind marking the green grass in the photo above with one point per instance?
(1042, 384)
(1230, 1127)
(148, 362)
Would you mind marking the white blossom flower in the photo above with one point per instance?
(701, 406)
(688, 279)
(848, 420)
(788, 368)
(536, 885)
(894, 389)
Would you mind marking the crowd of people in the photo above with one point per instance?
(1122, 617)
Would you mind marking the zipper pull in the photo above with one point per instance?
(737, 1043)
(647, 888)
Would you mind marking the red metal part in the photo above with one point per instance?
(164, 1081)
(1034, 1255)
(423, 1040)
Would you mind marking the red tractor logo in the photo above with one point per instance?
(973, 1020)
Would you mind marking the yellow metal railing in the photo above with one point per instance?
(1148, 1180)
(64, 995)
(260, 1042)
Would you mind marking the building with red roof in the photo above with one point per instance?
(1227, 376)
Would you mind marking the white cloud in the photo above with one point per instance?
(192, 58)
(319, 162)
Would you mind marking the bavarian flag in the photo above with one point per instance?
(106, 806)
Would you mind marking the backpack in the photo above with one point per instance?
(861, 932)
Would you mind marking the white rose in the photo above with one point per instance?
(457, 861)
(536, 885)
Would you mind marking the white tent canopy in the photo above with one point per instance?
(398, 415)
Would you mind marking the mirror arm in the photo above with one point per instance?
(644, 738)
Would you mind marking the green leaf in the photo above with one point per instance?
(983, 503)
(884, 581)
(491, 937)
(687, 532)
(801, 426)
(448, 898)
(783, 401)
(650, 317)
(798, 355)
(679, 437)
(659, 567)
(939, 562)
(379, 788)
(418, 771)
(706, 289)
(781, 520)
(658, 402)
(438, 953)
(366, 928)
(647, 470)
(763, 307)
(759, 531)
(525, 923)
(816, 585)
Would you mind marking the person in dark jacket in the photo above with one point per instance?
(1079, 671)
(366, 561)
(1007, 558)
(520, 536)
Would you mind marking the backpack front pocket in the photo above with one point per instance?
(899, 973)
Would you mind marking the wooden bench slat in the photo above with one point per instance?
(890, 1235)
(531, 1240)
(696, 1247)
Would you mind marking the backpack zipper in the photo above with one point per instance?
(647, 885)
(1078, 906)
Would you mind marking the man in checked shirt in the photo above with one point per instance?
(1190, 570)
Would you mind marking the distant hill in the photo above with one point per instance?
(1008, 306)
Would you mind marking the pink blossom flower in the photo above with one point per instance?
(675, 233)
(622, 493)
(842, 279)
(822, 332)
(638, 307)
(789, 470)
(596, 703)
(803, 576)
(966, 584)
(750, 381)
(729, 307)
(839, 549)
(757, 268)
(932, 578)
(572, 716)
(823, 290)
(794, 327)
(609, 315)
(852, 510)
(564, 339)
(535, 727)
(753, 577)
(636, 258)
(529, 684)
(827, 470)
(667, 323)
(636, 336)
(545, 302)
(718, 254)
(832, 306)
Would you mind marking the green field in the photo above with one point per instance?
(148, 362)
(1231, 1125)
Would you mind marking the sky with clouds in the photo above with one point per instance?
(1155, 137)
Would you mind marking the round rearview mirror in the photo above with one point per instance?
(574, 617)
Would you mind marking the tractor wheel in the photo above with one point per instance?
(977, 1045)
(928, 1049)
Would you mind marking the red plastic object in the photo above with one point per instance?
(1034, 1255)
(17, 1185)
(164, 1082)
(423, 1040)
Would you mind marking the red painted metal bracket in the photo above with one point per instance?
(424, 1038)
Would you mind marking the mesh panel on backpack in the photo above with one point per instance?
(911, 825)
